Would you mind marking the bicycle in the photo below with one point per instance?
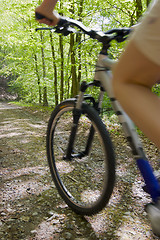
(79, 148)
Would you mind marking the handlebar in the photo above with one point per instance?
(67, 26)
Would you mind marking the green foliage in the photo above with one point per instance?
(156, 89)
(16, 44)
(33, 61)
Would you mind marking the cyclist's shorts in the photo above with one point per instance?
(147, 34)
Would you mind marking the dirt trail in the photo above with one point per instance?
(30, 207)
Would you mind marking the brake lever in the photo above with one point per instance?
(64, 30)
(122, 34)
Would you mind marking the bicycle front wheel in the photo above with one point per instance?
(85, 181)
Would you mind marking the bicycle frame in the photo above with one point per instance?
(103, 74)
(103, 80)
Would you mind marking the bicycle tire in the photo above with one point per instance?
(85, 184)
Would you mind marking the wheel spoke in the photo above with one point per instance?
(83, 180)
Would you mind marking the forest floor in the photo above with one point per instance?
(30, 206)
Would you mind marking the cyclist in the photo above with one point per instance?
(137, 70)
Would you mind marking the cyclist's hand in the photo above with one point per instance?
(50, 19)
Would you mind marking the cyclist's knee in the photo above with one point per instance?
(123, 70)
(134, 68)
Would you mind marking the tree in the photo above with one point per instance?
(61, 67)
(45, 100)
(148, 2)
(139, 8)
(48, 68)
(55, 69)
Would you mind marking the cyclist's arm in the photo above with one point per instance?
(45, 14)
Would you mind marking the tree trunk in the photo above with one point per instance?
(79, 59)
(62, 68)
(138, 8)
(38, 79)
(55, 70)
(45, 101)
(148, 2)
(36, 70)
(74, 90)
(78, 39)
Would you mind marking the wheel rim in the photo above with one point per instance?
(83, 180)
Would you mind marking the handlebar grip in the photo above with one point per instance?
(61, 22)
(40, 16)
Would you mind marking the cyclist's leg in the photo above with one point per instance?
(137, 71)
(134, 76)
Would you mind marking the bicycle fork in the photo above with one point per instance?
(76, 116)
(77, 111)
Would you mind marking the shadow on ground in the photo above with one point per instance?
(30, 207)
